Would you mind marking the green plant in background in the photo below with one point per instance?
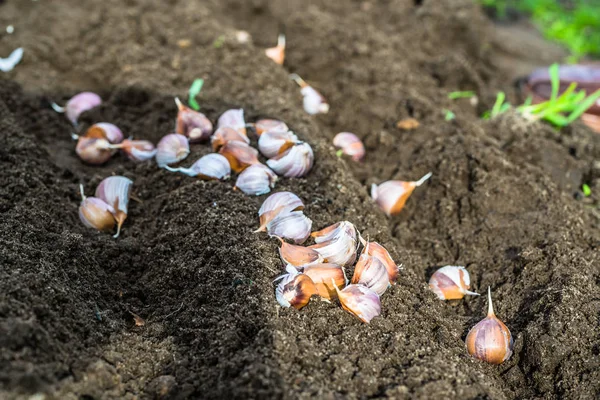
(193, 92)
(558, 110)
(461, 95)
(587, 192)
(574, 23)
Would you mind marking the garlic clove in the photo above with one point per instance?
(298, 256)
(350, 144)
(294, 290)
(226, 134)
(80, 103)
(334, 231)
(451, 283)
(361, 301)
(391, 196)
(256, 180)
(313, 101)
(233, 119)
(293, 225)
(273, 143)
(106, 131)
(266, 125)
(171, 149)
(378, 251)
(95, 213)
(276, 203)
(327, 279)
(371, 272)
(340, 250)
(115, 191)
(137, 150)
(192, 124)
(92, 150)
(240, 155)
(209, 167)
(277, 53)
(294, 163)
(490, 340)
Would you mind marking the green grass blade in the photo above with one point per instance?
(555, 79)
(461, 95)
(584, 105)
(498, 104)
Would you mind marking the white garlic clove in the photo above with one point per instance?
(451, 283)
(171, 149)
(294, 289)
(350, 144)
(256, 180)
(371, 272)
(360, 301)
(95, 213)
(266, 125)
(340, 250)
(334, 231)
(78, 104)
(226, 134)
(276, 203)
(298, 256)
(277, 53)
(378, 251)
(327, 278)
(391, 196)
(240, 155)
(292, 225)
(313, 101)
(294, 163)
(490, 340)
(115, 191)
(274, 143)
(233, 119)
(106, 131)
(209, 167)
(192, 124)
(94, 151)
(138, 150)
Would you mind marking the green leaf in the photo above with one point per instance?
(339, 153)
(584, 105)
(587, 192)
(449, 115)
(193, 92)
(218, 43)
(461, 95)
(555, 79)
(498, 105)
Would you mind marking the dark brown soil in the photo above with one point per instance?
(503, 201)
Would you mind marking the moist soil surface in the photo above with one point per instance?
(503, 201)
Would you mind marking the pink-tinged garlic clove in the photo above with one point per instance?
(350, 144)
(298, 256)
(360, 301)
(276, 203)
(294, 163)
(137, 150)
(371, 272)
(226, 134)
(490, 340)
(451, 283)
(267, 125)
(171, 149)
(115, 191)
(233, 119)
(292, 225)
(256, 180)
(378, 251)
(274, 143)
(240, 155)
(313, 101)
(391, 196)
(277, 53)
(78, 104)
(340, 250)
(95, 213)
(294, 289)
(105, 130)
(334, 231)
(209, 167)
(93, 151)
(327, 279)
(192, 124)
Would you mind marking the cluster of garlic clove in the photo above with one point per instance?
(109, 206)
